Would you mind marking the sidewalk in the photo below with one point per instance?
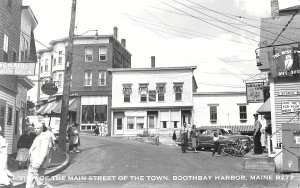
(59, 162)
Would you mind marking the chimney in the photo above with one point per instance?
(152, 61)
(123, 42)
(116, 32)
(274, 9)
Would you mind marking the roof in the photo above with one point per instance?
(221, 93)
(32, 18)
(265, 108)
(289, 9)
(152, 69)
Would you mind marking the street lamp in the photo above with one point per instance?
(258, 63)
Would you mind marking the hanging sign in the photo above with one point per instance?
(290, 106)
(285, 63)
(17, 68)
(255, 93)
(49, 88)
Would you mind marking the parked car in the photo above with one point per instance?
(205, 138)
(34, 120)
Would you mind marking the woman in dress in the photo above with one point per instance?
(193, 135)
(23, 146)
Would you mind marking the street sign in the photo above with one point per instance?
(255, 92)
(18, 68)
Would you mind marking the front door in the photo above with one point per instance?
(152, 124)
(119, 123)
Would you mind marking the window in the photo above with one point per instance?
(54, 62)
(88, 78)
(130, 122)
(175, 124)
(59, 60)
(178, 91)
(41, 69)
(94, 113)
(26, 50)
(143, 90)
(9, 3)
(88, 54)
(102, 53)
(243, 112)
(164, 124)
(102, 78)
(213, 113)
(9, 116)
(140, 122)
(55, 79)
(5, 48)
(14, 56)
(59, 84)
(160, 89)
(152, 95)
(127, 92)
(46, 65)
(119, 123)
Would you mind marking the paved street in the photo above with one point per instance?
(110, 162)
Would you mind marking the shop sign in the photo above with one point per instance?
(290, 106)
(286, 63)
(17, 68)
(255, 93)
(286, 93)
(49, 88)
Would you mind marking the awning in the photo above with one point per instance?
(41, 109)
(72, 106)
(265, 108)
(234, 128)
(50, 107)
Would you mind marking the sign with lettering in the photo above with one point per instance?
(17, 68)
(286, 62)
(255, 92)
(49, 88)
(290, 106)
(286, 93)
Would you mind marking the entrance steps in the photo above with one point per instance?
(259, 162)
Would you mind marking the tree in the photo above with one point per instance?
(30, 105)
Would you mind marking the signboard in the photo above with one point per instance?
(290, 106)
(287, 93)
(286, 62)
(49, 88)
(255, 93)
(17, 68)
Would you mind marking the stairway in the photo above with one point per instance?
(259, 162)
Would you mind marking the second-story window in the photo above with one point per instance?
(143, 90)
(161, 90)
(102, 53)
(54, 62)
(152, 95)
(102, 78)
(178, 88)
(127, 92)
(41, 69)
(46, 65)
(88, 54)
(60, 82)
(88, 78)
(5, 48)
(59, 60)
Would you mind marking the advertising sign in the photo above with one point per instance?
(25, 69)
(285, 62)
(255, 93)
(290, 106)
(49, 88)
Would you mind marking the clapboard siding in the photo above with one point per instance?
(284, 118)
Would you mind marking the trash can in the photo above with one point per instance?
(291, 147)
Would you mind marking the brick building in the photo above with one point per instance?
(90, 90)
(13, 88)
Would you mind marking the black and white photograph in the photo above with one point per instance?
(150, 93)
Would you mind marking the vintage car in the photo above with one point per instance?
(205, 138)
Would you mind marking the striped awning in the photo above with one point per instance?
(265, 108)
(234, 128)
(50, 107)
(41, 108)
(72, 107)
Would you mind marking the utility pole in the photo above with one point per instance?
(66, 89)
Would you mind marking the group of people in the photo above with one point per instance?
(101, 129)
(73, 137)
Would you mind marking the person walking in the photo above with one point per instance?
(74, 140)
(52, 140)
(217, 147)
(257, 135)
(23, 146)
(96, 130)
(38, 160)
(5, 175)
(194, 138)
(184, 138)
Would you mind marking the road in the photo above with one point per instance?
(113, 162)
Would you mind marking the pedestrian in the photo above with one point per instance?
(23, 146)
(193, 135)
(257, 135)
(184, 138)
(217, 147)
(52, 140)
(5, 175)
(96, 130)
(38, 160)
(174, 137)
(74, 139)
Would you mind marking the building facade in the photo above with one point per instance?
(13, 88)
(90, 89)
(155, 100)
(224, 109)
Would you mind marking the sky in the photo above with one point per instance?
(203, 33)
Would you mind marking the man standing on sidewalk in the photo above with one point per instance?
(184, 138)
(39, 153)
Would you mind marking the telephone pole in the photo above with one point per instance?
(66, 88)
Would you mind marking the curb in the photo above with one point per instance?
(51, 172)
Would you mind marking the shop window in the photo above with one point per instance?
(88, 114)
(101, 113)
(178, 88)
(88, 54)
(140, 122)
(164, 124)
(9, 116)
(130, 122)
